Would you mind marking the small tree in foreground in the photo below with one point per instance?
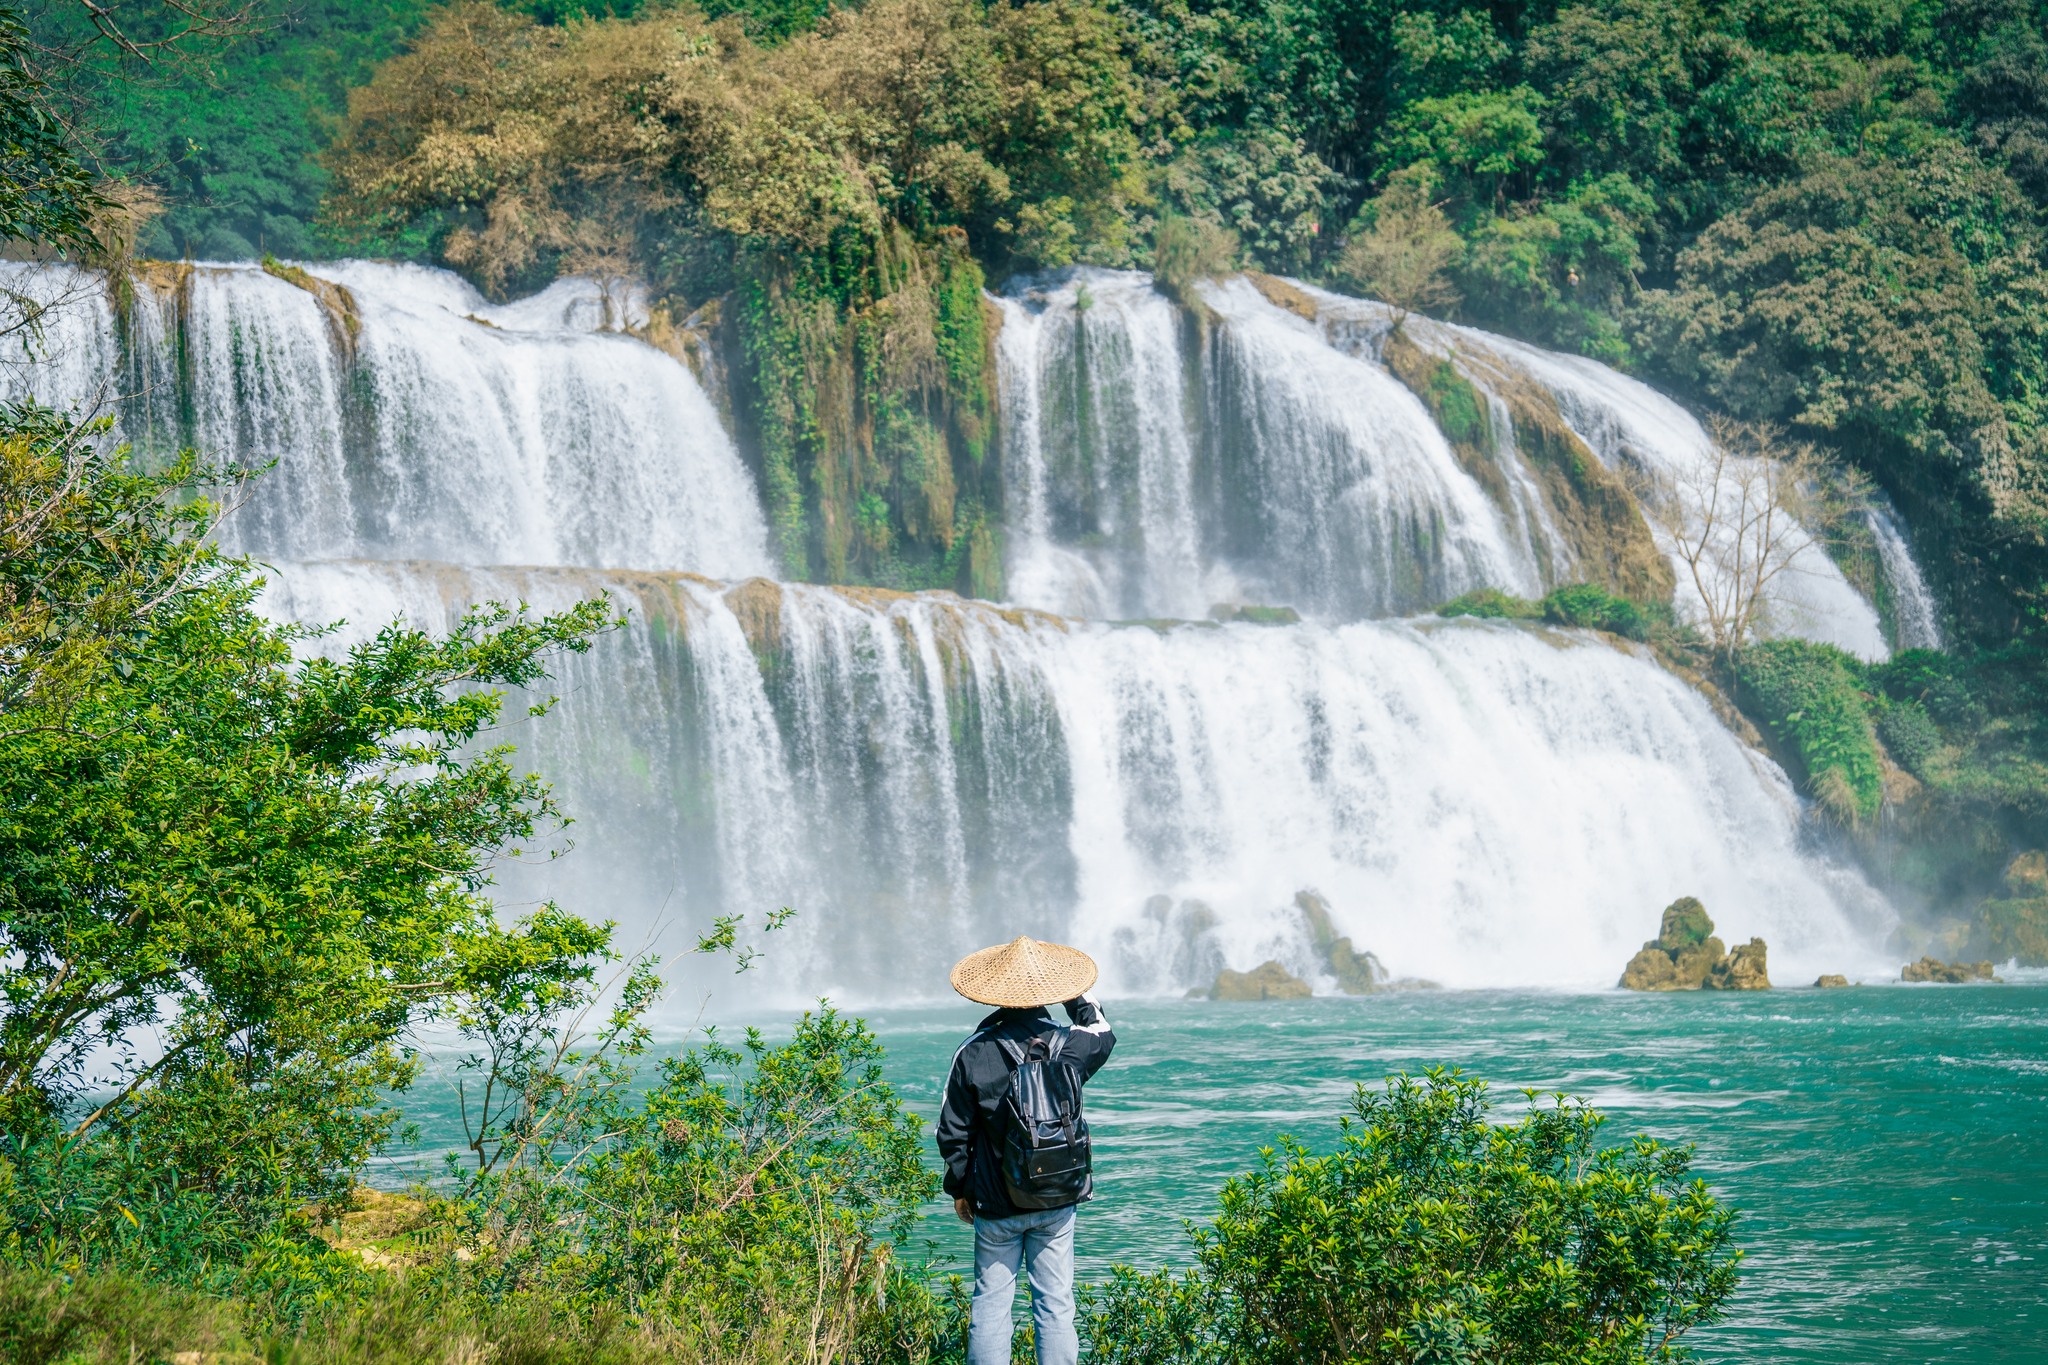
(1432, 1234)
(235, 880)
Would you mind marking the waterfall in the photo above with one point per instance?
(427, 424)
(1155, 475)
(1480, 804)
(1274, 458)
(917, 775)
(1627, 422)
(1915, 621)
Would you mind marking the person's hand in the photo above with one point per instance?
(964, 1209)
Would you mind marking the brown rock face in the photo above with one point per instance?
(1695, 963)
(1934, 970)
(1831, 980)
(1650, 970)
(1267, 981)
(1742, 970)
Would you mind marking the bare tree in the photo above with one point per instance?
(1742, 517)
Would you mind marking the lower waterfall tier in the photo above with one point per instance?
(1478, 803)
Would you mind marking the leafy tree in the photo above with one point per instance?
(1404, 248)
(1431, 1234)
(236, 878)
(46, 194)
(1896, 301)
(224, 108)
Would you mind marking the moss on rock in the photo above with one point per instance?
(1357, 973)
(335, 299)
(1590, 504)
(2014, 927)
(1459, 409)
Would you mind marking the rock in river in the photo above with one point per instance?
(1946, 973)
(1685, 956)
(1267, 981)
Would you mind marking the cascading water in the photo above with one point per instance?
(427, 425)
(1916, 623)
(916, 775)
(1153, 480)
(1479, 803)
(1319, 481)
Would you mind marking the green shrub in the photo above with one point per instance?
(1186, 251)
(1809, 699)
(1909, 735)
(1432, 1234)
(1586, 605)
(1595, 608)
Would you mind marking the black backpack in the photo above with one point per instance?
(1046, 1162)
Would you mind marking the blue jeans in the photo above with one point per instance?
(1043, 1240)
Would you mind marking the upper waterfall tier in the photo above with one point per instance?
(1480, 803)
(1278, 444)
(1295, 448)
(409, 418)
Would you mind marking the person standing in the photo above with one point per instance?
(1016, 1147)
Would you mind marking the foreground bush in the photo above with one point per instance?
(1431, 1234)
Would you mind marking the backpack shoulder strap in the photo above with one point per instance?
(1011, 1049)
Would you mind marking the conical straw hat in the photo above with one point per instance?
(1024, 972)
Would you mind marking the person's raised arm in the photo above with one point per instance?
(1092, 1039)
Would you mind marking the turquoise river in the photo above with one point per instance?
(1887, 1145)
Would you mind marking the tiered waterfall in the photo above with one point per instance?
(1478, 803)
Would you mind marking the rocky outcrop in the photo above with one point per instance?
(1933, 970)
(1680, 957)
(1267, 981)
(336, 300)
(1357, 973)
(1283, 294)
(1831, 981)
(1685, 956)
(2014, 927)
(1741, 970)
(1591, 506)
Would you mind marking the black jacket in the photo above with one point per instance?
(970, 1121)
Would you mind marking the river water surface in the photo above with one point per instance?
(1887, 1145)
